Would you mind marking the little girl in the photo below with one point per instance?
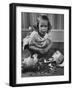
(38, 41)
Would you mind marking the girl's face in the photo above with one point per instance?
(43, 26)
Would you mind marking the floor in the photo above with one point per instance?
(57, 71)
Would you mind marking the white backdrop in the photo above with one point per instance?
(4, 46)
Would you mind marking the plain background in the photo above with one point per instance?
(4, 44)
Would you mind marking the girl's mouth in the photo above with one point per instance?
(43, 32)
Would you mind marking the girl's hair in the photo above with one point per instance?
(44, 17)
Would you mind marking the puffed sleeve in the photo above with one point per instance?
(32, 38)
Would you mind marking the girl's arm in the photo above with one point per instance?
(34, 48)
(33, 42)
(40, 49)
(48, 47)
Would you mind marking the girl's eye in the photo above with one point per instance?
(41, 25)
